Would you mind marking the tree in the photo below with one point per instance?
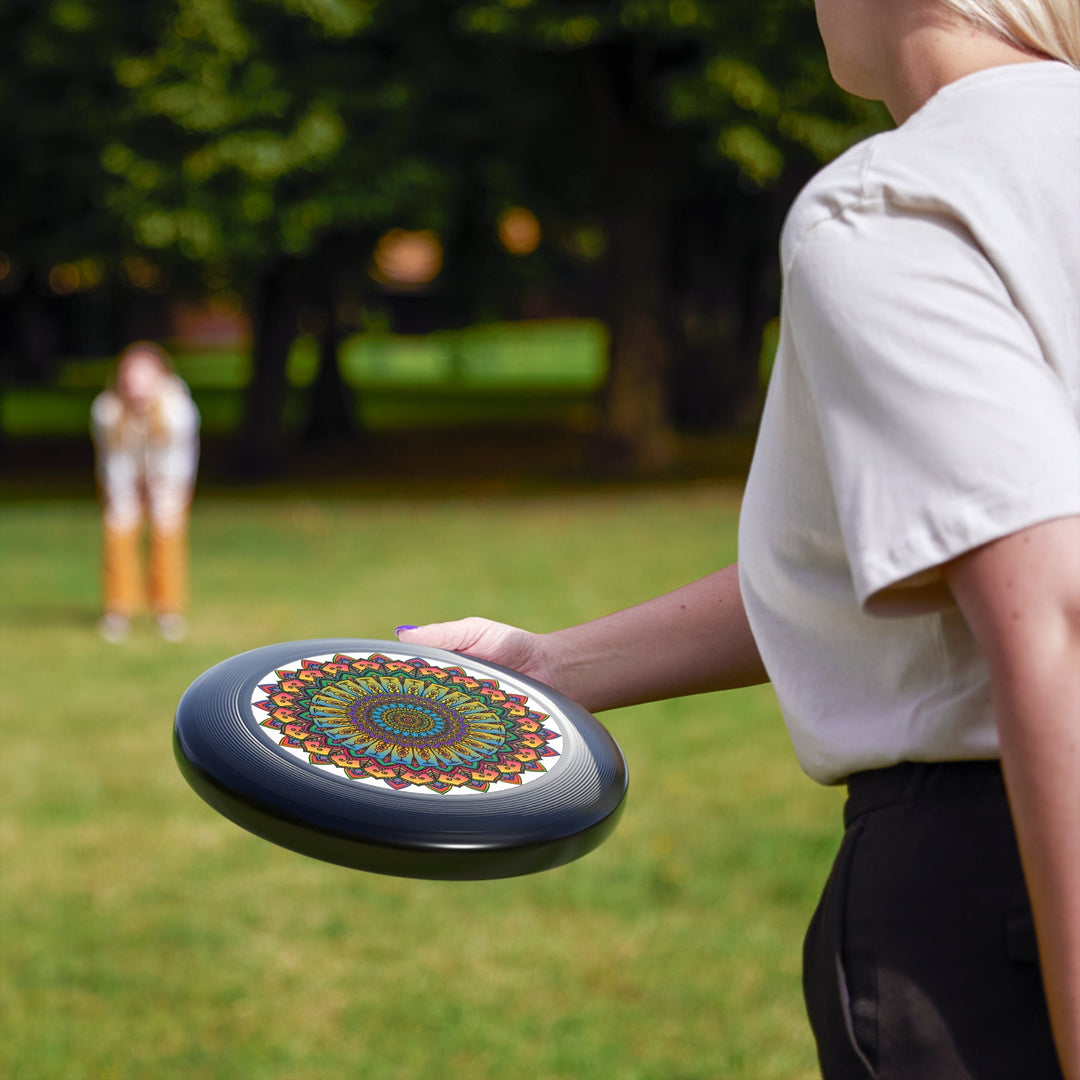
(59, 107)
(276, 140)
(688, 107)
(262, 146)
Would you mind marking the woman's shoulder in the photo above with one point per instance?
(997, 142)
(831, 192)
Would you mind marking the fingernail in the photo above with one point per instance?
(398, 629)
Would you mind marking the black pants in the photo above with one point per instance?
(920, 961)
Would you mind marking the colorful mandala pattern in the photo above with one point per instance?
(406, 724)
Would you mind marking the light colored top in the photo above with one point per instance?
(925, 400)
(146, 463)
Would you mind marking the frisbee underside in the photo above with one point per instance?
(414, 761)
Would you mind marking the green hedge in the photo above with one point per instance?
(514, 372)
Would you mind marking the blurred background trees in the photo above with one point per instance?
(333, 166)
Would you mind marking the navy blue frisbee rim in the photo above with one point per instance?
(236, 769)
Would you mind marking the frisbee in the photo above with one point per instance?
(400, 759)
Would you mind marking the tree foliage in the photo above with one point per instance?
(262, 146)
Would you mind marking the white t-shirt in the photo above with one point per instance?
(146, 462)
(925, 400)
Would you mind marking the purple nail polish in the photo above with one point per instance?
(398, 629)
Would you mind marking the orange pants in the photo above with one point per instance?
(124, 585)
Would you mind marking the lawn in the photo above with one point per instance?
(143, 936)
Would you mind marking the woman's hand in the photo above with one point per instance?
(689, 641)
(496, 642)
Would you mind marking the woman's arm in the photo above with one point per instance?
(1021, 598)
(689, 641)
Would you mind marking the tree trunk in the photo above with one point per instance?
(637, 422)
(34, 347)
(261, 448)
(727, 283)
(635, 194)
(331, 417)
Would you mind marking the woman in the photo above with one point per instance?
(146, 435)
(909, 574)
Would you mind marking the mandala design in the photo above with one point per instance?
(406, 724)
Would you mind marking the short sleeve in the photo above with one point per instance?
(944, 426)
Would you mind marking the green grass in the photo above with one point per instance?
(144, 936)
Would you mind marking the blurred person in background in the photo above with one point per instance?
(146, 437)
(909, 549)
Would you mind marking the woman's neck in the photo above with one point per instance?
(929, 53)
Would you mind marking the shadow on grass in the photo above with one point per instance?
(414, 463)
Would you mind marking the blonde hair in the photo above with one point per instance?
(1048, 27)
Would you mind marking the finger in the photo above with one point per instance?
(455, 636)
